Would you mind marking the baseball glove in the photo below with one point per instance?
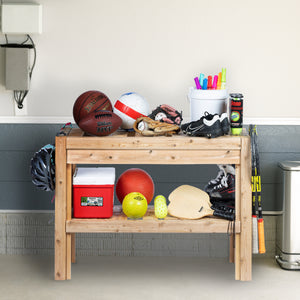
(148, 127)
(166, 113)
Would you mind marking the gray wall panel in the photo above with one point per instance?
(26, 137)
(282, 139)
(24, 195)
(18, 142)
(269, 164)
(177, 173)
(15, 165)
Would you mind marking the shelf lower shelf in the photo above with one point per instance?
(150, 224)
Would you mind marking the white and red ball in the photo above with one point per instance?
(100, 123)
(129, 107)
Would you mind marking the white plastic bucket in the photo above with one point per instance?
(211, 101)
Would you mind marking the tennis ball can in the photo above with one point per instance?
(236, 113)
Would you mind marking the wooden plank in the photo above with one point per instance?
(69, 191)
(73, 247)
(237, 237)
(122, 141)
(148, 226)
(69, 217)
(60, 208)
(76, 132)
(153, 156)
(237, 256)
(231, 248)
(120, 223)
(73, 235)
(246, 229)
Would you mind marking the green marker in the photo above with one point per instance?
(223, 80)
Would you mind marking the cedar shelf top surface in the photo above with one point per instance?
(122, 140)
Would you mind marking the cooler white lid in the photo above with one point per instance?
(94, 176)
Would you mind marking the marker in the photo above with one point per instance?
(209, 82)
(201, 79)
(219, 81)
(223, 80)
(214, 86)
(204, 84)
(196, 79)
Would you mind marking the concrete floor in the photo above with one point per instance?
(31, 277)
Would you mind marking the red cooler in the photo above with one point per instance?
(93, 192)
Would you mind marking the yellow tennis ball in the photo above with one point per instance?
(236, 131)
(235, 116)
(160, 207)
(134, 205)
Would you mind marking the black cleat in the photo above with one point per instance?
(216, 181)
(208, 126)
(225, 190)
(225, 123)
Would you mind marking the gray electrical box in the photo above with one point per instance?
(17, 69)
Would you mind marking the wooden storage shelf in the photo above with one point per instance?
(120, 148)
(150, 224)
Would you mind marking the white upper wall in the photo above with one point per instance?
(157, 47)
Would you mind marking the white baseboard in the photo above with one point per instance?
(36, 119)
(66, 119)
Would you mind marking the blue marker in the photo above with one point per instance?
(201, 79)
(204, 87)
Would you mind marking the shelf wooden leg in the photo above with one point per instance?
(246, 228)
(73, 248)
(237, 236)
(73, 235)
(237, 256)
(69, 217)
(231, 248)
(60, 209)
(69, 256)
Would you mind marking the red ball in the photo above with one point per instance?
(88, 102)
(135, 180)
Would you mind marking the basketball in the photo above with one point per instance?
(135, 180)
(88, 102)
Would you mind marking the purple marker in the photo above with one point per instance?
(198, 86)
(214, 86)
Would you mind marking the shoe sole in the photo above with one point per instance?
(224, 130)
(209, 135)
